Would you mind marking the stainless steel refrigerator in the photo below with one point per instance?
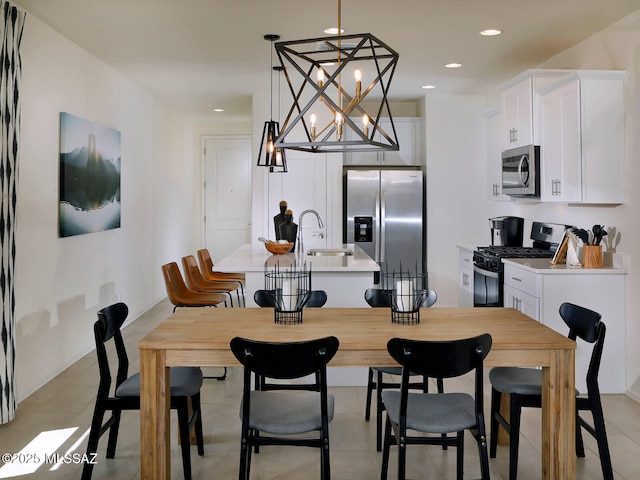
(384, 215)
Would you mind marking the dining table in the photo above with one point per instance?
(201, 336)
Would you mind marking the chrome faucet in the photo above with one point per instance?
(320, 225)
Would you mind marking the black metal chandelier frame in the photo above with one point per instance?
(343, 50)
(270, 155)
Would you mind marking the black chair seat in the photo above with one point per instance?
(442, 413)
(185, 381)
(286, 412)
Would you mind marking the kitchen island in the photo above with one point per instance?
(344, 278)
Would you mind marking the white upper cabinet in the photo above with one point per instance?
(520, 106)
(408, 133)
(582, 138)
(494, 155)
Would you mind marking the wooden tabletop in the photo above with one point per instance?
(363, 333)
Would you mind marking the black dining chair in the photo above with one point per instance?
(185, 392)
(524, 386)
(436, 413)
(283, 415)
(379, 298)
(263, 298)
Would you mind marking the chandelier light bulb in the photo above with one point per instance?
(313, 126)
(339, 122)
(320, 77)
(365, 124)
(358, 75)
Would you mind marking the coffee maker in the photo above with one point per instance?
(507, 231)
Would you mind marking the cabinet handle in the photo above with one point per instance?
(465, 279)
(516, 279)
(559, 187)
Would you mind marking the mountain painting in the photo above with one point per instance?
(89, 176)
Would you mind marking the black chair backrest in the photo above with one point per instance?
(586, 325)
(440, 359)
(110, 320)
(317, 298)
(377, 297)
(284, 360)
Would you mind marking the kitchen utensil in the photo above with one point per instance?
(264, 240)
(598, 233)
(582, 234)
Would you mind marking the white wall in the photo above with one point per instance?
(456, 177)
(62, 282)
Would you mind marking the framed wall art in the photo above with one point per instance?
(89, 177)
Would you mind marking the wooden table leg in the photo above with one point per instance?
(155, 460)
(558, 417)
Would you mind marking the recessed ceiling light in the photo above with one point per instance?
(333, 30)
(428, 87)
(218, 110)
(490, 32)
(453, 65)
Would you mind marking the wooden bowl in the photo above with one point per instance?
(278, 248)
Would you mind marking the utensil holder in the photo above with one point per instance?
(592, 256)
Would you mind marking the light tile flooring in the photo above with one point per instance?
(59, 414)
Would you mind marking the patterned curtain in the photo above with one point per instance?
(11, 26)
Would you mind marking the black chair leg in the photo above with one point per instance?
(482, 451)
(379, 409)
(460, 455)
(92, 444)
(324, 459)
(113, 433)
(601, 437)
(197, 410)
(493, 420)
(514, 435)
(385, 451)
(370, 386)
(185, 443)
(579, 441)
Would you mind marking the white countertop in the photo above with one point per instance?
(543, 265)
(255, 257)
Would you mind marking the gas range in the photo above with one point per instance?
(489, 269)
(489, 258)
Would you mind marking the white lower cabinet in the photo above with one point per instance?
(465, 278)
(539, 292)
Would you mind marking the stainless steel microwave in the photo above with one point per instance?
(521, 171)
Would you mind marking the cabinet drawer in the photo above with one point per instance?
(521, 279)
(465, 258)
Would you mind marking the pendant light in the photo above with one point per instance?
(328, 113)
(270, 155)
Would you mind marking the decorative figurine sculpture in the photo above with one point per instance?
(289, 229)
(279, 219)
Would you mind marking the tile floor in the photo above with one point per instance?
(59, 414)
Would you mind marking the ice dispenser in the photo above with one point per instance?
(363, 229)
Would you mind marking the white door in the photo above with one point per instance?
(227, 194)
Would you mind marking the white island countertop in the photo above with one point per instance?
(255, 257)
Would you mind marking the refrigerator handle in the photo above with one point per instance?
(383, 228)
(377, 235)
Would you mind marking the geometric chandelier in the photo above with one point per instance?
(269, 155)
(329, 80)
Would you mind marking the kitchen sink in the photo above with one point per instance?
(330, 252)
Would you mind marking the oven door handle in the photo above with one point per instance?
(487, 273)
